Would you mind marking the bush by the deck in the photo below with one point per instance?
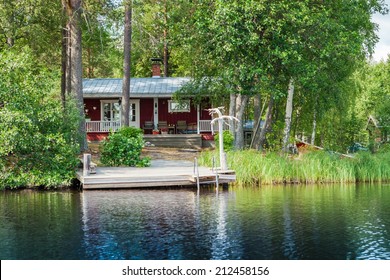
(123, 148)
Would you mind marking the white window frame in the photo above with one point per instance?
(179, 106)
(102, 102)
(137, 115)
(135, 123)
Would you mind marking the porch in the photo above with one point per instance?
(196, 136)
(202, 126)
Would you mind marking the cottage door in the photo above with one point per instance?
(134, 113)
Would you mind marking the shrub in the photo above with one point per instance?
(228, 140)
(124, 147)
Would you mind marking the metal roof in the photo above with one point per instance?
(139, 87)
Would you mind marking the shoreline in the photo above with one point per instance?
(255, 168)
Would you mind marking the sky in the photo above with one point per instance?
(382, 48)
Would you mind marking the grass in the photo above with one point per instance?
(312, 167)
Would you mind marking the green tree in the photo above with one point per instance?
(102, 52)
(260, 47)
(38, 141)
(34, 24)
(372, 92)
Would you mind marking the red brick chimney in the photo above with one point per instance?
(156, 67)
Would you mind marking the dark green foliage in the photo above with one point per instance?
(124, 148)
(37, 136)
(228, 140)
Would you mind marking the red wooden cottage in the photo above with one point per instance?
(151, 107)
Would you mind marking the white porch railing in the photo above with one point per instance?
(107, 126)
(102, 126)
(205, 126)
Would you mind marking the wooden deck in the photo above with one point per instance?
(161, 173)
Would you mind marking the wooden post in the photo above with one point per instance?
(86, 164)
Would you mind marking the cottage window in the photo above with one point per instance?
(132, 112)
(176, 106)
(111, 110)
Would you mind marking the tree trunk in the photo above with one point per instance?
(258, 111)
(165, 34)
(68, 80)
(313, 133)
(76, 87)
(267, 124)
(10, 42)
(242, 101)
(232, 112)
(296, 123)
(64, 63)
(126, 65)
(64, 53)
(90, 69)
(166, 55)
(289, 107)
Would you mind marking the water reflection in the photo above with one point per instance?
(158, 224)
(299, 222)
(40, 225)
(369, 229)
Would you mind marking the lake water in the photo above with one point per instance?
(278, 222)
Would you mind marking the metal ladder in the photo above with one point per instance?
(196, 173)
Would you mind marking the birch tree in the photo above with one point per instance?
(267, 124)
(289, 109)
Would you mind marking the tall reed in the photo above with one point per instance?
(313, 167)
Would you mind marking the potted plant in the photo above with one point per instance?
(156, 131)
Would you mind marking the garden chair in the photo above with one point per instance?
(181, 127)
(149, 125)
(162, 126)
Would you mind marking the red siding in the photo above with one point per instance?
(89, 104)
(172, 118)
(96, 136)
(204, 114)
(146, 110)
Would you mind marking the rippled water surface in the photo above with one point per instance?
(293, 222)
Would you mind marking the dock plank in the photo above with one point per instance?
(161, 173)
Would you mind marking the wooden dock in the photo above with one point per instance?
(160, 174)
